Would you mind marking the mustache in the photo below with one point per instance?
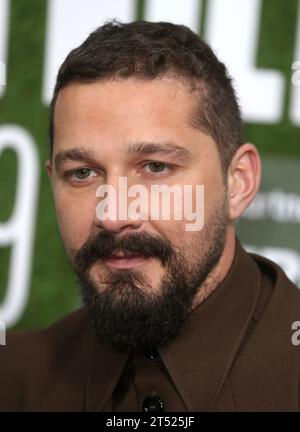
(105, 245)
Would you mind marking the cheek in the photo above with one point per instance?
(75, 215)
(207, 190)
(214, 195)
(175, 232)
(189, 245)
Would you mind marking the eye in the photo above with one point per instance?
(157, 167)
(82, 174)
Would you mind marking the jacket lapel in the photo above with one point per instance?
(106, 366)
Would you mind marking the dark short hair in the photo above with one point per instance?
(149, 50)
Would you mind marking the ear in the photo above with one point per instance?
(244, 175)
(48, 166)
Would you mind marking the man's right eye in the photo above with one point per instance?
(81, 174)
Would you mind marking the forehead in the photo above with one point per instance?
(105, 115)
(128, 102)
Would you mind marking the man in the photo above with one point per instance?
(173, 319)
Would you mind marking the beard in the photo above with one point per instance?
(126, 313)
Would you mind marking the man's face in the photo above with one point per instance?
(139, 130)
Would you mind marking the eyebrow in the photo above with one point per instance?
(165, 148)
(137, 148)
(75, 154)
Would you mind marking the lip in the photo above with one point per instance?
(125, 262)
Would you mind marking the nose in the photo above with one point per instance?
(118, 226)
(112, 207)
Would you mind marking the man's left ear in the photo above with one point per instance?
(244, 176)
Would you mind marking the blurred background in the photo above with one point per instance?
(260, 43)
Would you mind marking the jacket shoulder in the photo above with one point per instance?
(25, 340)
(32, 360)
(282, 287)
(267, 370)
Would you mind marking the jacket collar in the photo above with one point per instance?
(200, 357)
(106, 368)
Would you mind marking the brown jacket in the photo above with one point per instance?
(234, 354)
